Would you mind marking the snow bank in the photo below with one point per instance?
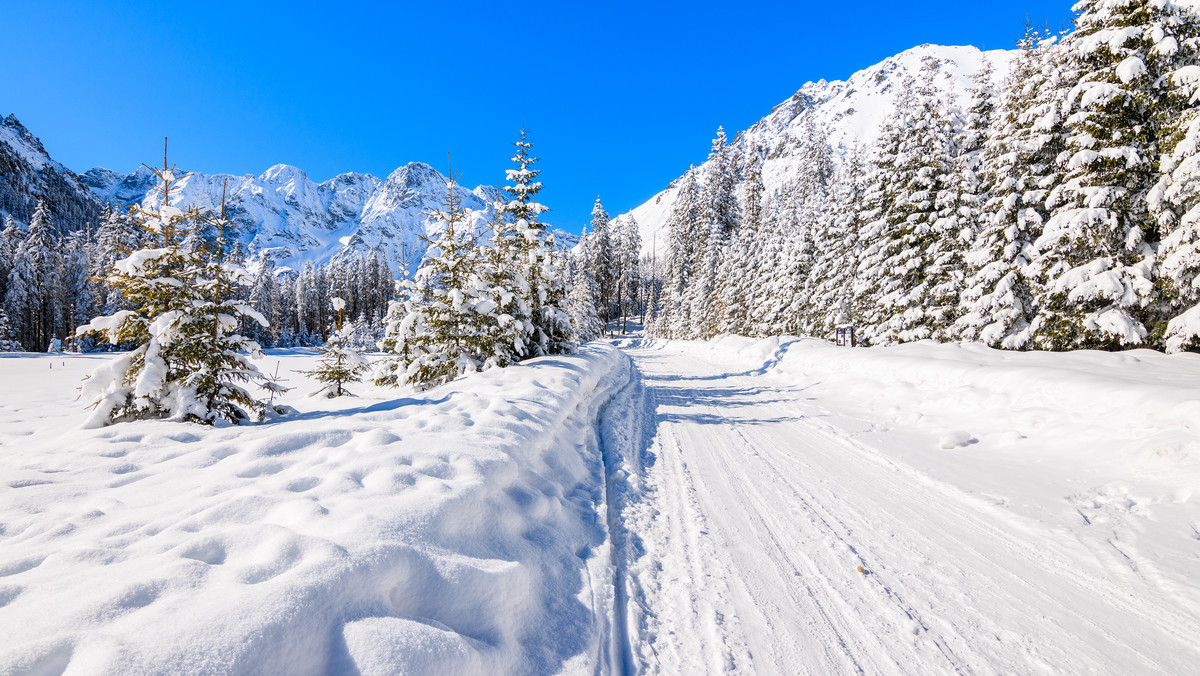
(1141, 407)
(461, 530)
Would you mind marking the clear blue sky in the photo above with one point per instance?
(620, 97)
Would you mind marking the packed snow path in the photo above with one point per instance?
(759, 508)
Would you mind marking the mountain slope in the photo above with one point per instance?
(280, 212)
(852, 111)
(284, 214)
(27, 174)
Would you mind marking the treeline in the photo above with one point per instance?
(1058, 211)
(51, 284)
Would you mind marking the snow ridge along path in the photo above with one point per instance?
(458, 530)
(1009, 513)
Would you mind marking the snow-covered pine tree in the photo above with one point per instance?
(909, 249)
(1098, 246)
(737, 278)
(719, 220)
(189, 363)
(10, 243)
(543, 269)
(1174, 201)
(78, 301)
(629, 246)
(584, 293)
(41, 248)
(603, 259)
(683, 235)
(835, 247)
(340, 363)
(7, 343)
(873, 279)
(19, 284)
(996, 305)
(504, 263)
(436, 333)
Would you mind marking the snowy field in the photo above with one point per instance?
(775, 506)
(460, 530)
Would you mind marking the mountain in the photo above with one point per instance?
(293, 220)
(280, 212)
(852, 111)
(27, 174)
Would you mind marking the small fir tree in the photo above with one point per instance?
(340, 363)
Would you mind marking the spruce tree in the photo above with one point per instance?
(997, 304)
(7, 341)
(189, 363)
(544, 290)
(683, 233)
(340, 363)
(438, 332)
(1099, 244)
(1174, 202)
(836, 248)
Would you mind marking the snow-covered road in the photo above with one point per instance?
(782, 528)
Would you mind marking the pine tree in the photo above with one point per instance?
(683, 232)
(7, 342)
(19, 285)
(10, 243)
(1099, 243)
(584, 294)
(836, 248)
(41, 248)
(340, 363)
(737, 278)
(997, 305)
(1174, 202)
(436, 333)
(510, 331)
(189, 364)
(912, 170)
(873, 278)
(544, 290)
(604, 262)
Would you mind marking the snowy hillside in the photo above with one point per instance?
(748, 506)
(852, 110)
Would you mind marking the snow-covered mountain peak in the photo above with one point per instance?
(852, 111)
(284, 174)
(26, 144)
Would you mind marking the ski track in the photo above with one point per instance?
(756, 513)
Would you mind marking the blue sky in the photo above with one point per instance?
(619, 97)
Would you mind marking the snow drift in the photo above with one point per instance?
(461, 530)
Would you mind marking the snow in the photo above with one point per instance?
(800, 512)
(456, 531)
(284, 212)
(754, 506)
